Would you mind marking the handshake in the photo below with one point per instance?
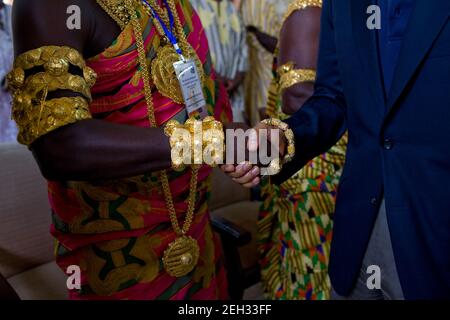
(244, 154)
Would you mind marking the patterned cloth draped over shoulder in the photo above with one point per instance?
(117, 231)
(267, 17)
(296, 219)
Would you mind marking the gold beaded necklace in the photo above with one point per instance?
(182, 255)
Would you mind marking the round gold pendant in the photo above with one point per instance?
(181, 256)
(163, 71)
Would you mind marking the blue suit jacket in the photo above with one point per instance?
(399, 145)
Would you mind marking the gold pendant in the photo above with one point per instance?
(181, 256)
(163, 71)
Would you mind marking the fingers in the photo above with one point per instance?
(250, 178)
(241, 171)
(253, 183)
(236, 172)
(244, 174)
(228, 168)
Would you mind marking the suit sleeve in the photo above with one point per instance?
(320, 122)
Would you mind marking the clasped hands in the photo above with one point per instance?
(248, 173)
(244, 154)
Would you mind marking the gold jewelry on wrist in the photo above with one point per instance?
(34, 114)
(276, 165)
(290, 76)
(199, 138)
(178, 143)
(301, 5)
(213, 142)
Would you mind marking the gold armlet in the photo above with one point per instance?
(196, 142)
(290, 76)
(35, 121)
(34, 114)
(301, 5)
(276, 165)
(43, 82)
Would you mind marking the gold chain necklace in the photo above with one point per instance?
(116, 10)
(182, 255)
(163, 74)
(162, 12)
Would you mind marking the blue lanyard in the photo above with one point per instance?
(170, 34)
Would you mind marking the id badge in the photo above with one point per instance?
(191, 87)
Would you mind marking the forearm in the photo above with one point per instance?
(295, 97)
(266, 41)
(99, 150)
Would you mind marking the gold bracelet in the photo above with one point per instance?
(290, 76)
(213, 142)
(276, 165)
(196, 142)
(180, 141)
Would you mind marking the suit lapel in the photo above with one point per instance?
(366, 45)
(427, 20)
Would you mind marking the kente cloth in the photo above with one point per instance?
(117, 231)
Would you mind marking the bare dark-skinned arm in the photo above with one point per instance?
(299, 43)
(90, 149)
(266, 41)
(96, 149)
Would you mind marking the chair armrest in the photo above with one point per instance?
(230, 232)
(233, 237)
(7, 293)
